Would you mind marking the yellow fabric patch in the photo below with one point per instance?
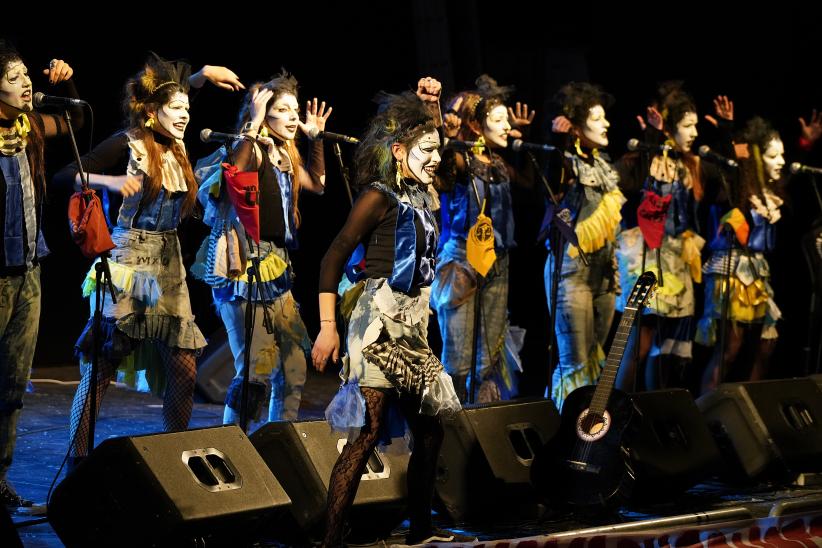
(692, 245)
(479, 248)
(271, 268)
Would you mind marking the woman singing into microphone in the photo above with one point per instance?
(471, 286)
(745, 234)
(269, 118)
(666, 238)
(586, 291)
(151, 326)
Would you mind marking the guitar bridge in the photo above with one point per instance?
(583, 466)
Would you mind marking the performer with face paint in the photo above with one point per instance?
(586, 293)
(475, 182)
(270, 114)
(752, 312)
(22, 191)
(389, 361)
(151, 326)
(665, 237)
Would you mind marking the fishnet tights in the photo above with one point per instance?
(181, 372)
(347, 472)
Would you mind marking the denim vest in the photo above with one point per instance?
(407, 272)
(461, 206)
(161, 214)
(22, 214)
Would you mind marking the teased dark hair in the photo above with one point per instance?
(673, 102)
(757, 134)
(577, 98)
(279, 84)
(401, 119)
(35, 149)
(476, 104)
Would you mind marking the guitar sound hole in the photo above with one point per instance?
(591, 427)
(593, 424)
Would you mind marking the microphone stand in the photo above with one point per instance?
(475, 338)
(343, 172)
(254, 283)
(558, 243)
(730, 238)
(103, 283)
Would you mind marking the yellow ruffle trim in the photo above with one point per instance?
(601, 226)
(271, 268)
(692, 245)
(123, 278)
(748, 303)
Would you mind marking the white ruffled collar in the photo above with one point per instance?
(174, 179)
(770, 208)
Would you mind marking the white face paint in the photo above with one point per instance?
(282, 117)
(15, 86)
(596, 127)
(774, 159)
(686, 132)
(424, 157)
(173, 117)
(495, 128)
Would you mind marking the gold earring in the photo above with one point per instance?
(150, 123)
(578, 147)
(399, 174)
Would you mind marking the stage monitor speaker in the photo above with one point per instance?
(766, 428)
(486, 455)
(301, 455)
(200, 487)
(672, 448)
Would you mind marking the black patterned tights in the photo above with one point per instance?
(345, 477)
(181, 372)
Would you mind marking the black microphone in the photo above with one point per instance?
(315, 133)
(43, 100)
(706, 153)
(208, 136)
(796, 167)
(519, 144)
(636, 144)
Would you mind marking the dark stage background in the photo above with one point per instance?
(765, 59)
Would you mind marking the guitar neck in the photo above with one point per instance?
(609, 372)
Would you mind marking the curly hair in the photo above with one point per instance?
(281, 84)
(577, 98)
(476, 104)
(673, 102)
(8, 53)
(400, 119)
(145, 93)
(758, 133)
(35, 149)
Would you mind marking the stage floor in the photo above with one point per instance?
(43, 437)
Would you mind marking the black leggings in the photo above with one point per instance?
(345, 477)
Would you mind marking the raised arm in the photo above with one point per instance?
(222, 77)
(312, 176)
(59, 73)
